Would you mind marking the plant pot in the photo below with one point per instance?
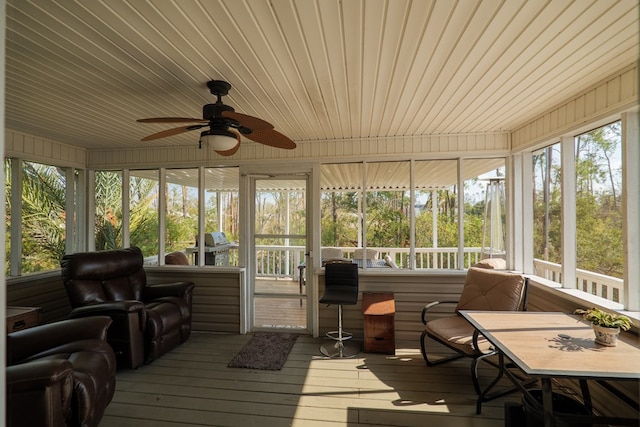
(606, 336)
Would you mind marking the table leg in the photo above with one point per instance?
(586, 395)
(547, 402)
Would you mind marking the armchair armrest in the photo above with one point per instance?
(430, 306)
(108, 309)
(37, 374)
(176, 289)
(39, 393)
(30, 342)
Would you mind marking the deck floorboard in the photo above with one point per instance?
(192, 386)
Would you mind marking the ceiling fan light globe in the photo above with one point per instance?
(222, 141)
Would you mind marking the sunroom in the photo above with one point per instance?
(429, 135)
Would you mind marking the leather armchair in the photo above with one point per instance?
(148, 320)
(60, 374)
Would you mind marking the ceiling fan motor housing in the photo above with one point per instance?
(213, 111)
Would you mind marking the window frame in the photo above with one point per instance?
(631, 203)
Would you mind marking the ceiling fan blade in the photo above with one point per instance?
(234, 150)
(170, 132)
(172, 120)
(231, 152)
(251, 122)
(272, 138)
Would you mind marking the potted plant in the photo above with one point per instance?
(606, 325)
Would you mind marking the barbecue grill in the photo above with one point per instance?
(216, 249)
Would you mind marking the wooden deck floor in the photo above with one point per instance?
(277, 313)
(192, 386)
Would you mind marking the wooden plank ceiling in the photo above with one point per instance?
(81, 72)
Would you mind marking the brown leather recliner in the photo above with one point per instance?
(148, 320)
(60, 374)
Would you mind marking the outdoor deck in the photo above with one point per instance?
(192, 386)
(271, 312)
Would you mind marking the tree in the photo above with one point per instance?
(108, 206)
(43, 217)
(598, 216)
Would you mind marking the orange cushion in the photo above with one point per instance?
(492, 263)
(491, 290)
(458, 333)
(176, 258)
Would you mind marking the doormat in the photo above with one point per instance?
(265, 350)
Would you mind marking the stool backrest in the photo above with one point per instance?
(341, 276)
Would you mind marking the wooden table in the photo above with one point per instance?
(556, 345)
(379, 310)
(19, 318)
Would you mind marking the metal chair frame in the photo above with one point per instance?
(477, 358)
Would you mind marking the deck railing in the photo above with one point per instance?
(607, 287)
(283, 261)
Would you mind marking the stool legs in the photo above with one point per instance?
(342, 348)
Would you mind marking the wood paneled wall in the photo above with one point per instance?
(42, 150)
(614, 95)
(43, 290)
(411, 293)
(357, 148)
(216, 297)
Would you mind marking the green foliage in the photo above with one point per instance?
(144, 214)
(599, 240)
(108, 217)
(547, 216)
(598, 221)
(605, 319)
(43, 217)
(473, 229)
(339, 219)
(388, 220)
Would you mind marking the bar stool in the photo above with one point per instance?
(341, 288)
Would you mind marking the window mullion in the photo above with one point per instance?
(412, 216)
(162, 214)
(631, 203)
(70, 208)
(15, 261)
(460, 215)
(90, 188)
(126, 208)
(568, 213)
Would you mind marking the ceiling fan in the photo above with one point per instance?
(224, 126)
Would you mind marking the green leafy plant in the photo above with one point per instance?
(603, 318)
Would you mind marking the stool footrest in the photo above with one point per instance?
(335, 335)
(340, 349)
